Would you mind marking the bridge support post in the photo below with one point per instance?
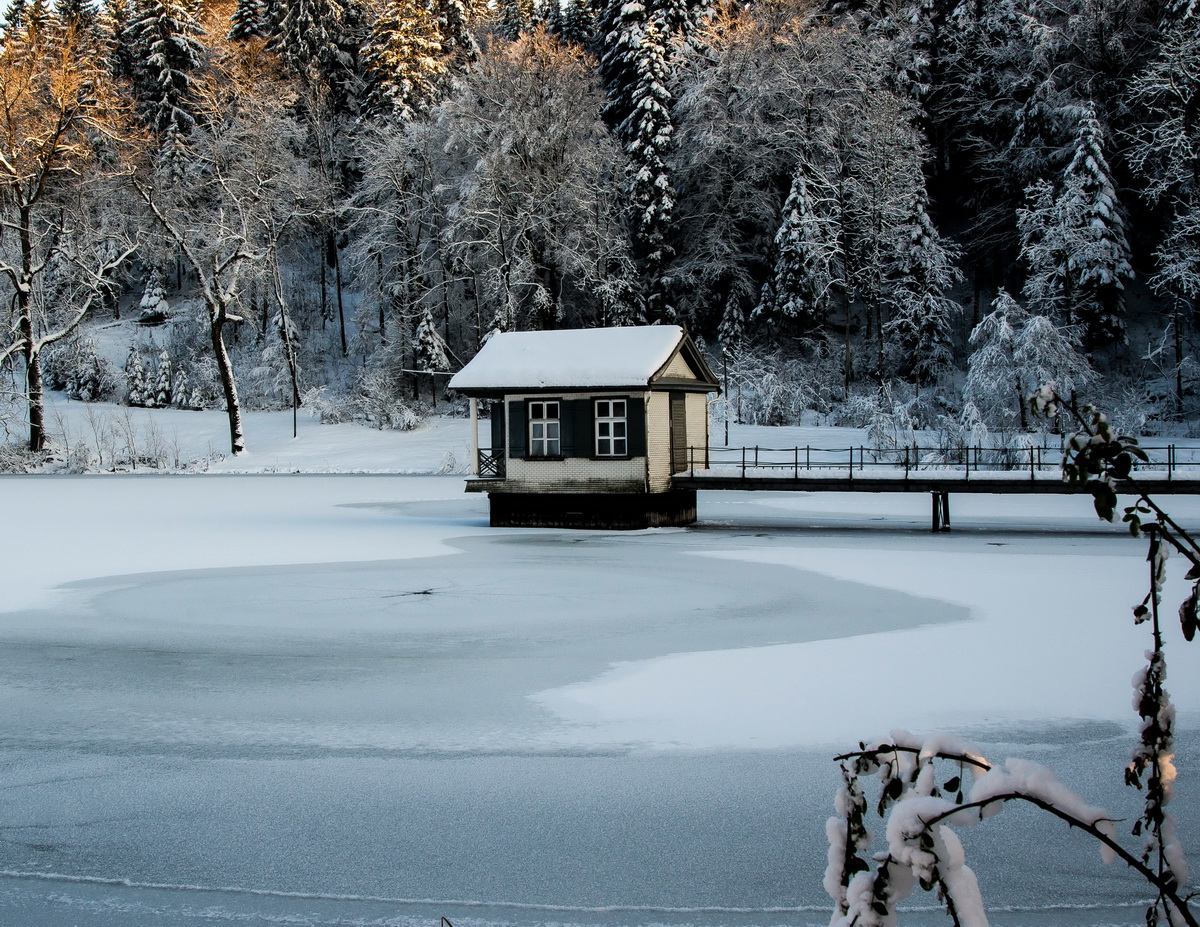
(941, 511)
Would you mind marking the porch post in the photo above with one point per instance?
(474, 436)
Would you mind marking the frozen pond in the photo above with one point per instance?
(340, 700)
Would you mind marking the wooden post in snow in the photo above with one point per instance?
(474, 436)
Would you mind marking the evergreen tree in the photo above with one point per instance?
(404, 60)
(1075, 245)
(429, 348)
(799, 285)
(732, 331)
(78, 15)
(920, 327)
(14, 18)
(576, 24)
(118, 32)
(1102, 267)
(320, 41)
(1048, 353)
(516, 16)
(453, 19)
(993, 386)
(179, 390)
(163, 381)
(249, 21)
(37, 16)
(647, 132)
(135, 377)
(1014, 354)
(620, 28)
(167, 52)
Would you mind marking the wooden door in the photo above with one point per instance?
(679, 444)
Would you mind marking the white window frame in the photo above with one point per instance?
(611, 427)
(545, 428)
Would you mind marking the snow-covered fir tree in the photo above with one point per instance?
(458, 41)
(116, 20)
(922, 312)
(798, 289)
(77, 15)
(732, 331)
(1014, 353)
(320, 41)
(404, 59)
(180, 391)
(164, 39)
(429, 348)
(249, 20)
(1101, 266)
(993, 386)
(163, 381)
(1075, 246)
(647, 132)
(576, 23)
(619, 29)
(135, 378)
(14, 17)
(517, 16)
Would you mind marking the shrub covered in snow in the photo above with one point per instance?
(376, 400)
(73, 366)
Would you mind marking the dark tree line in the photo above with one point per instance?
(389, 181)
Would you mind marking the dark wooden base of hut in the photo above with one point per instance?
(620, 511)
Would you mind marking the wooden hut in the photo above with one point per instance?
(588, 426)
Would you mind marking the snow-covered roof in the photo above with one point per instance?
(571, 359)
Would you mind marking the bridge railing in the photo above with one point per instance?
(966, 460)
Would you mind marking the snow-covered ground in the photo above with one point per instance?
(307, 699)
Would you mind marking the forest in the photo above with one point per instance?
(915, 211)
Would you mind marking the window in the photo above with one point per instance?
(612, 437)
(544, 430)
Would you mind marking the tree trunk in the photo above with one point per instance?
(337, 273)
(33, 386)
(237, 441)
(32, 356)
(879, 341)
(847, 365)
(324, 283)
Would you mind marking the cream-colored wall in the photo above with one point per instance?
(576, 474)
(572, 474)
(658, 441)
(658, 435)
(678, 367)
(697, 426)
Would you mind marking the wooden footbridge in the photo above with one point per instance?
(1029, 470)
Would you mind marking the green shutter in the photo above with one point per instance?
(516, 429)
(566, 427)
(496, 413)
(636, 421)
(585, 431)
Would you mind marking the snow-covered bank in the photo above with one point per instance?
(200, 441)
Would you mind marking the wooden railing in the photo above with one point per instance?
(491, 462)
(793, 461)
